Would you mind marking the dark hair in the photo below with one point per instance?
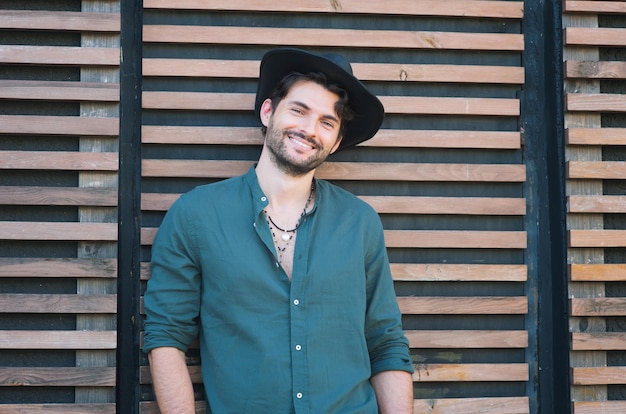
(345, 113)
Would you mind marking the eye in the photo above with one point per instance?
(328, 124)
(297, 110)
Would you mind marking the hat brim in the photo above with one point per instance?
(369, 111)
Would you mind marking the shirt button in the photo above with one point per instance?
(277, 264)
(299, 395)
(296, 302)
(298, 347)
(263, 198)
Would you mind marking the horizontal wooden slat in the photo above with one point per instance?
(599, 407)
(58, 377)
(459, 8)
(460, 339)
(152, 134)
(598, 341)
(59, 91)
(346, 171)
(600, 7)
(59, 125)
(59, 160)
(470, 372)
(597, 238)
(458, 272)
(596, 204)
(463, 239)
(488, 405)
(478, 305)
(58, 231)
(391, 204)
(59, 196)
(95, 408)
(219, 68)
(42, 339)
(596, 170)
(57, 303)
(47, 267)
(232, 35)
(595, 70)
(598, 272)
(595, 36)
(59, 55)
(597, 306)
(598, 375)
(423, 239)
(595, 136)
(214, 101)
(59, 20)
(595, 102)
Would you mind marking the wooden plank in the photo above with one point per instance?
(595, 136)
(436, 272)
(57, 231)
(59, 55)
(216, 101)
(595, 36)
(57, 377)
(106, 408)
(392, 204)
(596, 170)
(62, 160)
(487, 405)
(47, 267)
(599, 407)
(595, 70)
(167, 134)
(598, 272)
(599, 341)
(57, 303)
(596, 102)
(476, 305)
(457, 8)
(597, 306)
(465, 339)
(423, 239)
(43, 339)
(600, 7)
(470, 372)
(59, 196)
(451, 239)
(59, 91)
(59, 20)
(596, 204)
(345, 171)
(597, 238)
(598, 375)
(266, 36)
(220, 68)
(58, 125)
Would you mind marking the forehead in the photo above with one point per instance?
(312, 95)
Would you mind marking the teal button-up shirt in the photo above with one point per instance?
(268, 344)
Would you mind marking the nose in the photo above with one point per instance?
(309, 125)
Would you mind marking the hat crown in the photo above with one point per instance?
(340, 61)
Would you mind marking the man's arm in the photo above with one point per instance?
(171, 381)
(394, 392)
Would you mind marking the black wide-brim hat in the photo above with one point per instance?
(369, 111)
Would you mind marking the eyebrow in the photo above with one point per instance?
(305, 106)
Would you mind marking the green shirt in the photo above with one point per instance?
(268, 344)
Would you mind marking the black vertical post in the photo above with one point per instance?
(542, 126)
(129, 209)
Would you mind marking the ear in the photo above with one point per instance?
(265, 112)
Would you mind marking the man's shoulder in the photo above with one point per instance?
(344, 199)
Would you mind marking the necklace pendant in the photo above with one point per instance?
(285, 237)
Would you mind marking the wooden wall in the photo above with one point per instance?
(595, 104)
(447, 174)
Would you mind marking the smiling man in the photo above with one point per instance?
(284, 278)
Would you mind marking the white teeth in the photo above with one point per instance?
(300, 143)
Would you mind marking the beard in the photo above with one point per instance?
(276, 141)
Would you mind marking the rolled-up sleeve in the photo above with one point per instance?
(172, 298)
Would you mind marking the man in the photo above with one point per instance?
(283, 277)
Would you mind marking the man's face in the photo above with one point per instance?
(303, 130)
